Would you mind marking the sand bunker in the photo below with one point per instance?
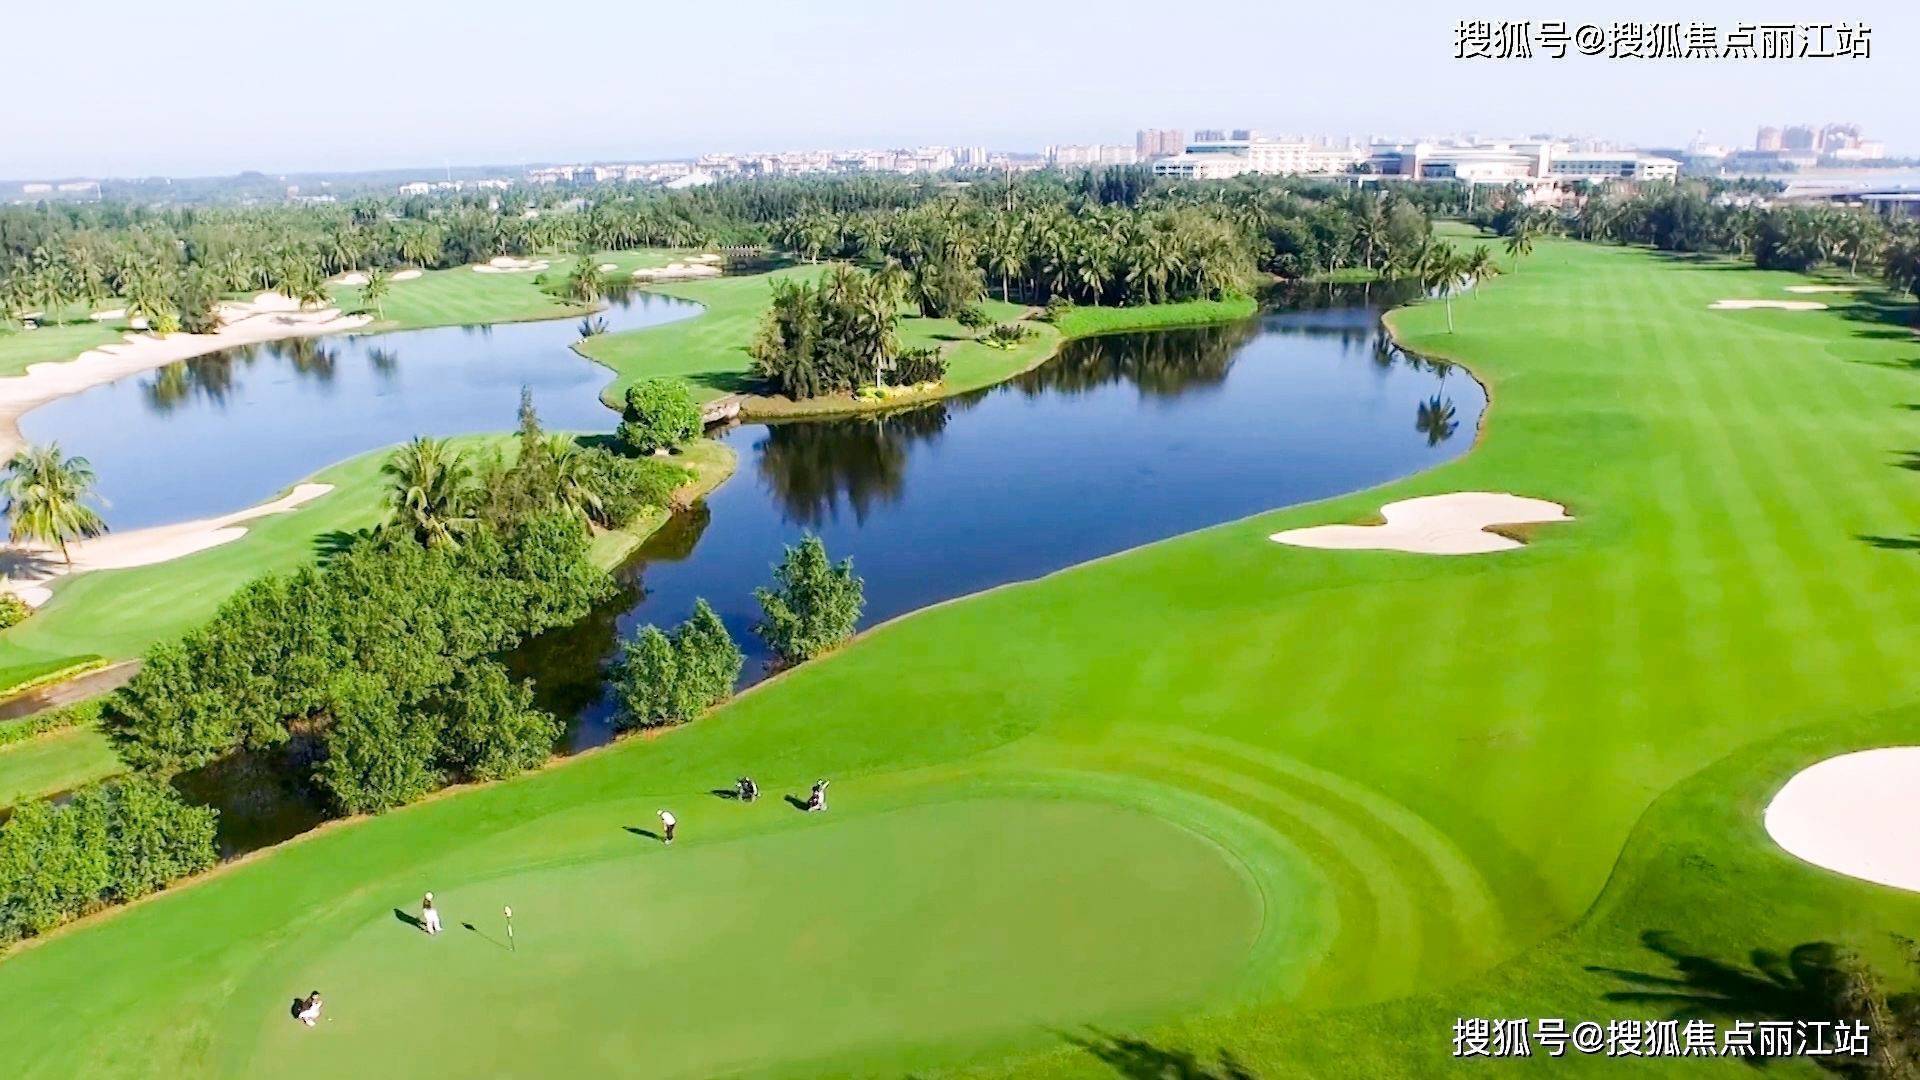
(1453, 524)
(267, 317)
(354, 278)
(108, 315)
(1778, 305)
(706, 257)
(30, 569)
(609, 267)
(1823, 288)
(677, 271)
(405, 275)
(507, 264)
(1855, 814)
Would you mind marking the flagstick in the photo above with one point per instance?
(508, 912)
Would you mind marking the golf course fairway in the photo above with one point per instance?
(1300, 807)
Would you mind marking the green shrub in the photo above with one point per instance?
(916, 366)
(660, 414)
(111, 843)
(672, 678)
(1006, 335)
(815, 606)
(58, 718)
(380, 654)
(13, 610)
(629, 487)
(1056, 307)
(973, 317)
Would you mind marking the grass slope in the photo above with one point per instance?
(54, 762)
(1426, 769)
(462, 297)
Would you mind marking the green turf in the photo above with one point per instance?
(462, 296)
(58, 761)
(52, 344)
(1459, 786)
(1083, 321)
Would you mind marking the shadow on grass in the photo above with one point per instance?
(1142, 1060)
(483, 935)
(638, 831)
(337, 542)
(1891, 543)
(410, 920)
(796, 802)
(1808, 982)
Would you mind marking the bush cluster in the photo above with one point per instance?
(660, 414)
(379, 657)
(664, 678)
(112, 842)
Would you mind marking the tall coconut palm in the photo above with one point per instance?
(431, 491)
(379, 283)
(46, 495)
(1441, 269)
(574, 491)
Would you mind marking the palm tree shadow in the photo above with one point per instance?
(1891, 543)
(337, 542)
(1805, 983)
(1139, 1059)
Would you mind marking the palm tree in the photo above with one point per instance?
(1441, 269)
(45, 493)
(431, 492)
(574, 491)
(1480, 265)
(374, 292)
(1520, 244)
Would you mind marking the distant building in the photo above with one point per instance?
(1800, 137)
(1213, 159)
(35, 189)
(1767, 141)
(1089, 156)
(1152, 143)
(1614, 165)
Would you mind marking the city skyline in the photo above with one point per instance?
(626, 92)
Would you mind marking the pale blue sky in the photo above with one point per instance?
(215, 86)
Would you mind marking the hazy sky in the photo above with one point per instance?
(216, 86)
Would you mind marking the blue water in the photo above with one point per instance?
(1117, 442)
(228, 430)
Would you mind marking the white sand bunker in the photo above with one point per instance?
(267, 317)
(30, 569)
(677, 271)
(1856, 814)
(609, 267)
(352, 278)
(1778, 305)
(1452, 524)
(406, 275)
(108, 315)
(1823, 288)
(507, 264)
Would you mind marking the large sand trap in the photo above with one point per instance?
(354, 277)
(267, 317)
(507, 264)
(1856, 814)
(1778, 305)
(677, 271)
(405, 275)
(1823, 288)
(1453, 524)
(30, 569)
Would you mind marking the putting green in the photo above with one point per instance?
(803, 944)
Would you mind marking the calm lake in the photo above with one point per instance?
(1116, 442)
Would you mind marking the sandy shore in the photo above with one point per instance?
(507, 264)
(1855, 814)
(1777, 305)
(267, 317)
(678, 271)
(30, 569)
(1452, 524)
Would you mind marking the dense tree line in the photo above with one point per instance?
(839, 335)
(1121, 236)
